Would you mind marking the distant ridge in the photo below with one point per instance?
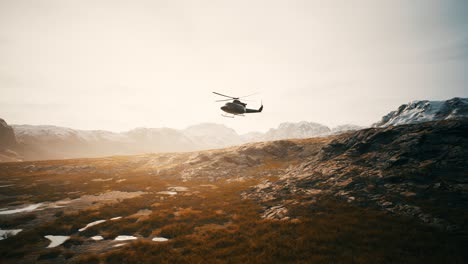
(53, 142)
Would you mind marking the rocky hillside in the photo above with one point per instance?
(423, 111)
(417, 170)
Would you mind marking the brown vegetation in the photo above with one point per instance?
(210, 222)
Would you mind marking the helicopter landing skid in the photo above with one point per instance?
(231, 116)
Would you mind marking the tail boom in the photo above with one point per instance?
(254, 110)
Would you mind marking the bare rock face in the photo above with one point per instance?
(276, 212)
(7, 136)
(8, 143)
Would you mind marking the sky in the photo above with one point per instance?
(116, 65)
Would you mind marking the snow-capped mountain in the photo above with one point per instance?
(424, 111)
(45, 132)
(301, 129)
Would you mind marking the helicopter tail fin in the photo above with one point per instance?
(260, 109)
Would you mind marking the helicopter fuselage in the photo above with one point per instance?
(233, 108)
(236, 107)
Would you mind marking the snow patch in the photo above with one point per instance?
(159, 239)
(29, 208)
(56, 240)
(4, 234)
(124, 238)
(167, 193)
(178, 189)
(102, 180)
(91, 224)
(119, 245)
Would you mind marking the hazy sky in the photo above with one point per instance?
(118, 65)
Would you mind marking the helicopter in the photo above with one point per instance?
(236, 107)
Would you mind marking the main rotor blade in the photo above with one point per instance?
(244, 100)
(226, 95)
(248, 95)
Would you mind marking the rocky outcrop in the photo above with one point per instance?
(7, 136)
(8, 143)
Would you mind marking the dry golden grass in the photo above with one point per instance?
(208, 224)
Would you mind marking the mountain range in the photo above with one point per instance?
(30, 142)
(34, 142)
